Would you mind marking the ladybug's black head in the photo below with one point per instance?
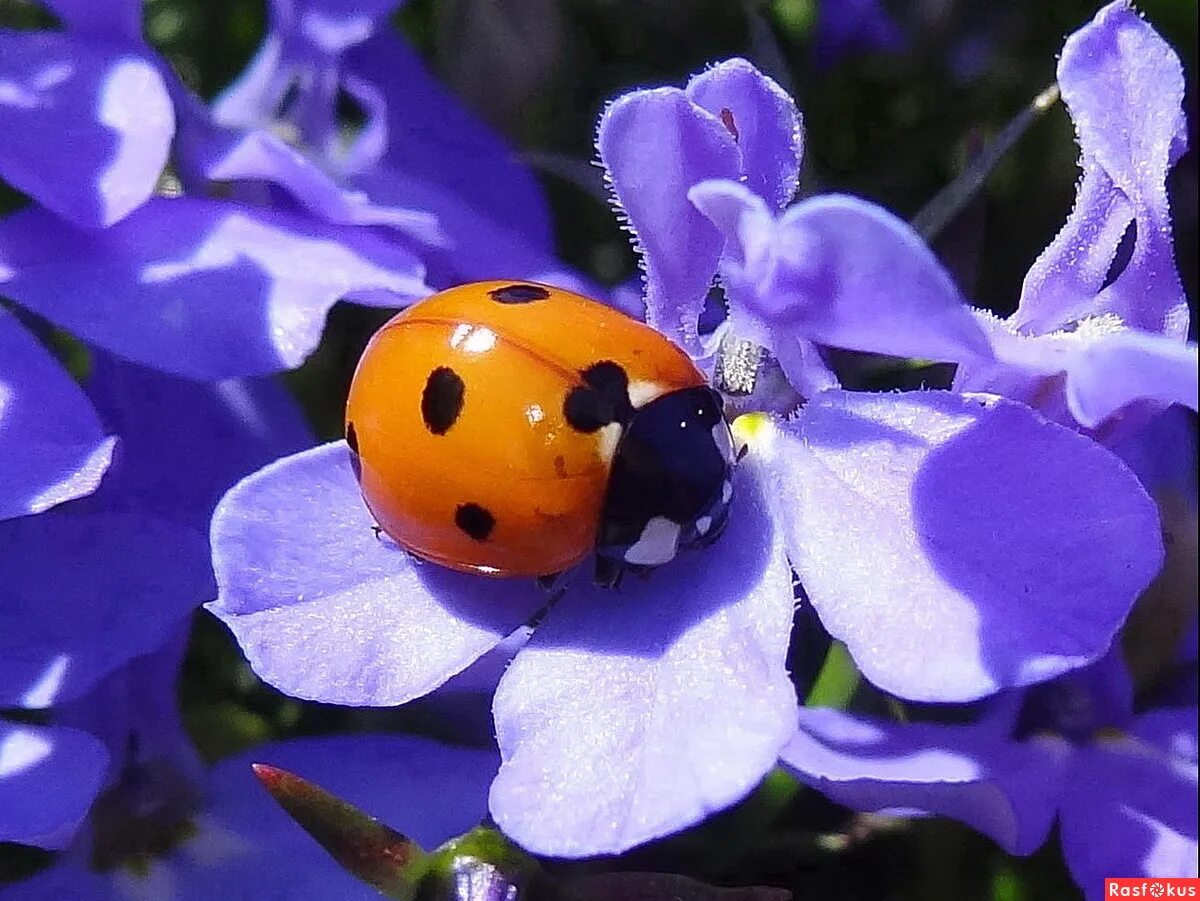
(670, 484)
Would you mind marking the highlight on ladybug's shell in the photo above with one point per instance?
(485, 443)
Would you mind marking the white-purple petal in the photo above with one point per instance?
(325, 610)
(1130, 806)
(51, 440)
(87, 126)
(49, 777)
(225, 155)
(468, 245)
(842, 272)
(975, 774)
(1115, 370)
(655, 145)
(200, 288)
(1061, 286)
(1124, 87)
(969, 524)
(769, 129)
(636, 713)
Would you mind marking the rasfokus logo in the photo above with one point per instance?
(1140, 887)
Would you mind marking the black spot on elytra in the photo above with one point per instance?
(519, 294)
(352, 442)
(475, 521)
(442, 400)
(602, 399)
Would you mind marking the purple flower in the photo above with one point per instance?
(93, 583)
(216, 288)
(59, 767)
(1121, 784)
(51, 440)
(421, 164)
(1094, 333)
(164, 828)
(97, 582)
(88, 123)
(1013, 545)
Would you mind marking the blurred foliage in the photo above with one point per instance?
(894, 127)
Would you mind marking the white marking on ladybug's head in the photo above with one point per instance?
(609, 437)
(641, 393)
(726, 491)
(658, 544)
(703, 524)
(723, 441)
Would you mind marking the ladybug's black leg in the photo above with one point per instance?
(549, 582)
(378, 530)
(608, 572)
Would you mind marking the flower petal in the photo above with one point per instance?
(1005, 789)
(423, 789)
(1118, 369)
(468, 245)
(51, 441)
(769, 133)
(1124, 87)
(121, 19)
(434, 138)
(49, 777)
(324, 610)
(967, 523)
(654, 146)
(1130, 806)
(842, 272)
(86, 591)
(214, 432)
(200, 288)
(87, 127)
(631, 715)
(224, 155)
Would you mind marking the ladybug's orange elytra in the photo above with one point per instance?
(485, 421)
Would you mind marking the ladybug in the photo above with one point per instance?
(512, 428)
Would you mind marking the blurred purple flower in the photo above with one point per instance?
(850, 26)
(1121, 784)
(925, 519)
(216, 288)
(52, 443)
(93, 583)
(420, 164)
(164, 828)
(59, 767)
(87, 122)
(97, 582)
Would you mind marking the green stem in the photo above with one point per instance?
(837, 681)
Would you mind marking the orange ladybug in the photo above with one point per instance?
(512, 428)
